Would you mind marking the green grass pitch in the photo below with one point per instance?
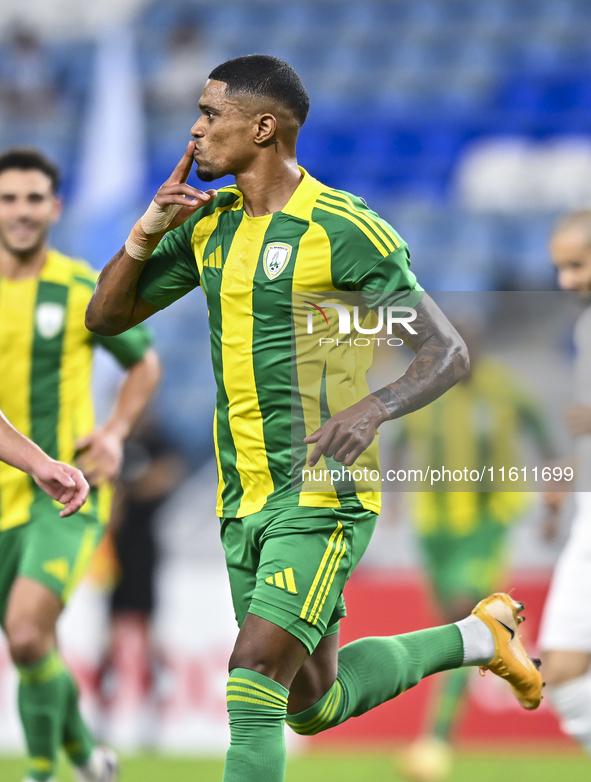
(348, 767)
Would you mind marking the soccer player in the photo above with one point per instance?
(45, 364)
(60, 481)
(289, 553)
(565, 635)
(462, 535)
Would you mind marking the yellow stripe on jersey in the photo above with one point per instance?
(221, 482)
(244, 413)
(312, 272)
(201, 234)
(17, 306)
(384, 232)
(76, 415)
(380, 246)
(303, 200)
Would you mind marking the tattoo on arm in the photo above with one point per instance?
(441, 360)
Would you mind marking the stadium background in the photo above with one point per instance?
(465, 123)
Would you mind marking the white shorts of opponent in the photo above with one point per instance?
(566, 621)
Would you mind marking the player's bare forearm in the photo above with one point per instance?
(16, 449)
(138, 387)
(101, 452)
(60, 481)
(441, 361)
(115, 306)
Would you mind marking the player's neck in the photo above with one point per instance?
(268, 185)
(17, 266)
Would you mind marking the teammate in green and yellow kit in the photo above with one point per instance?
(62, 482)
(45, 365)
(462, 535)
(289, 553)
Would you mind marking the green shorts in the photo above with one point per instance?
(469, 565)
(290, 565)
(53, 551)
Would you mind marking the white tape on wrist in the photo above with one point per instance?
(137, 251)
(156, 218)
(147, 232)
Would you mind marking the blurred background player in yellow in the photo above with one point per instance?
(45, 363)
(462, 535)
(565, 635)
(60, 481)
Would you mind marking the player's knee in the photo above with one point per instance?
(257, 661)
(253, 663)
(27, 643)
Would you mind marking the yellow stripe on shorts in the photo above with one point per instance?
(332, 551)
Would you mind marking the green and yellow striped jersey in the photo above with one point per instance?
(46, 366)
(248, 267)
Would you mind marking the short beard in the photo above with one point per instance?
(206, 176)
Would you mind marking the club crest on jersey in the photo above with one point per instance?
(276, 258)
(49, 319)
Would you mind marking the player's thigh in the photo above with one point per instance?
(57, 552)
(31, 614)
(306, 558)
(316, 676)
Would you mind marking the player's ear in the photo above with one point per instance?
(266, 128)
(58, 205)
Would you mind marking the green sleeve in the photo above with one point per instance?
(391, 273)
(366, 253)
(128, 348)
(171, 272)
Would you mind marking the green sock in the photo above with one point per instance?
(375, 670)
(257, 706)
(448, 702)
(76, 738)
(42, 697)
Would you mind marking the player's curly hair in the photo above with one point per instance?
(267, 77)
(30, 159)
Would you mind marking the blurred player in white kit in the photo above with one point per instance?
(565, 636)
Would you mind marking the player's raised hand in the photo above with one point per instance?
(100, 456)
(63, 483)
(176, 191)
(347, 434)
(173, 204)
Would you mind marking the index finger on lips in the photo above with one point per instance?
(183, 167)
(180, 188)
